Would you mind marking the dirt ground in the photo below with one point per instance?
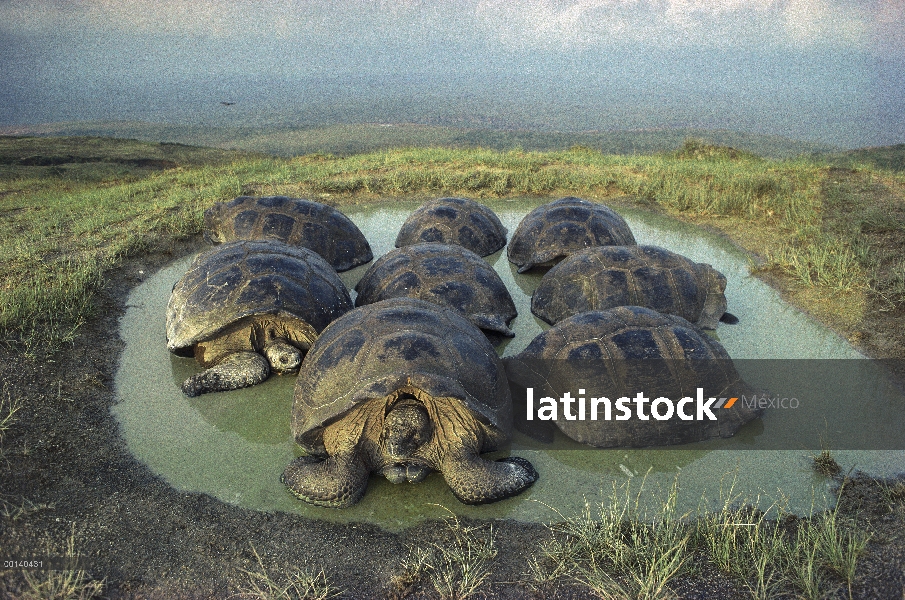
(65, 472)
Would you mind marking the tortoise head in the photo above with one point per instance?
(213, 223)
(283, 357)
(715, 303)
(406, 427)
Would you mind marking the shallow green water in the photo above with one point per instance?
(235, 445)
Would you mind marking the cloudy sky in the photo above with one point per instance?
(828, 70)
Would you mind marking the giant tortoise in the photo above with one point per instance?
(603, 277)
(554, 230)
(402, 387)
(459, 221)
(445, 274)
(248, 307)
(295, 221)
(657, 374)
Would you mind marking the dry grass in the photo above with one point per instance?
(619, 551)
(616, 550)
(286, 584)
(70, 583)
(456, 566)
(9, 406)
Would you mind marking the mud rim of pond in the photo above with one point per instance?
(235, 445)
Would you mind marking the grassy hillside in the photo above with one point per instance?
(834, 237)
(344, 139)
(887, 158)
(34, 163)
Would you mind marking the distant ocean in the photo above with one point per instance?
(839, 111)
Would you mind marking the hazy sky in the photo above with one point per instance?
(821, 69)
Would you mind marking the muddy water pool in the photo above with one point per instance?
(235, 445)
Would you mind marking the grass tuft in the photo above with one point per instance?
(296, 584)
(71, 583)
(782, 555)
(825, 464)
(616, 550)
(457, 566)
(840, 546)
(620, 551)
(8, 409)
(893, 494)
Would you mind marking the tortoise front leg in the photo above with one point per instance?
(474, 480)
(337, 482)
(237, 370)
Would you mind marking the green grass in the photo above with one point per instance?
(805, 557)
(456, 565)
(62, 231)
(348, 139)
(620, 551)
(886, 158)
(287, 584)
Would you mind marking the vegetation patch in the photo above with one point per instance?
(286, 584)
(457, 565)
(620, 552)
(835, 237)
(625, 552)
(826, 465)
(886, 158)
(347, 138)
(68, 583)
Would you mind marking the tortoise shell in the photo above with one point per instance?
(247, 278)
(622, 352)
(554, 230)
(295, 221)
(375, 350)
(454, 221)
(603, 277)
(448, 275)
